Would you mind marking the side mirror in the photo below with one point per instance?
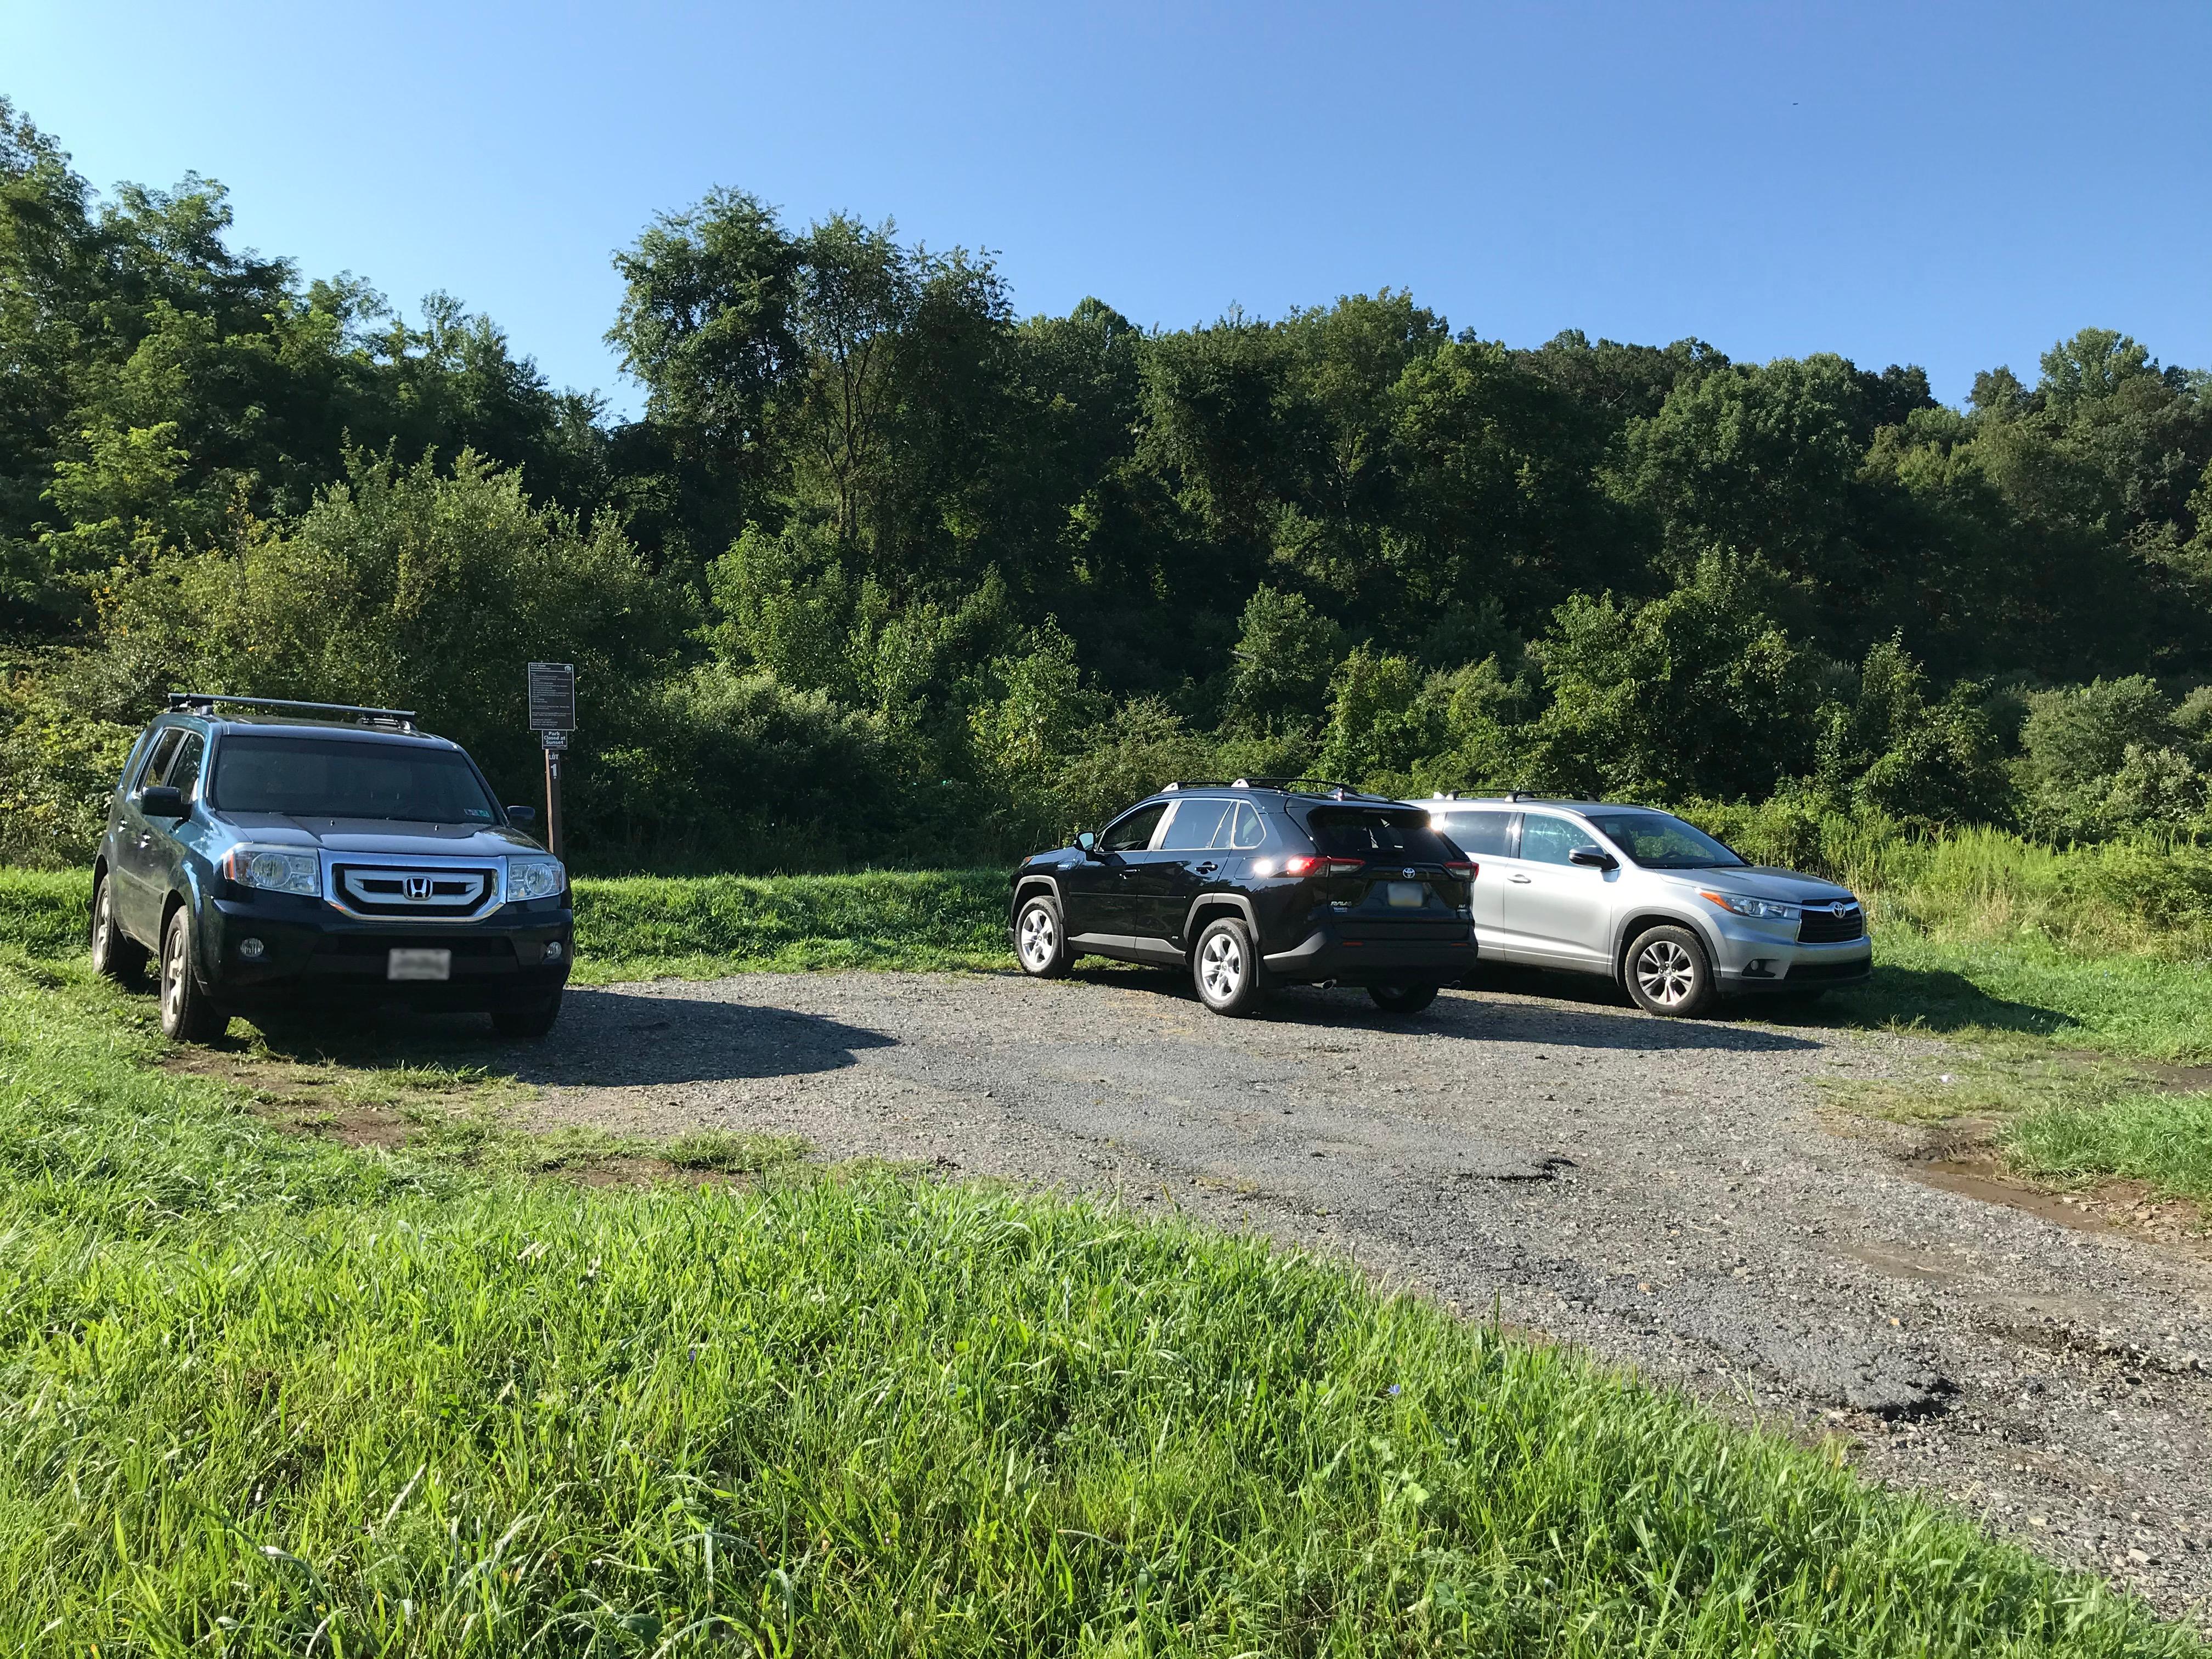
(1592, 858)
(161, 802)
(522, 815)
(1089, 843)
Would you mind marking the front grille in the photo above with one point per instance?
(1826, 926)
(1803, 971)
(387, 891)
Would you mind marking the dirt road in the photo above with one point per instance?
(1669, 1194)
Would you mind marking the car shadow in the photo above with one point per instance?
(1933, 1000)
(605, 1038)
(1620, 1026)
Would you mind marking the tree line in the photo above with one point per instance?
(884, 569)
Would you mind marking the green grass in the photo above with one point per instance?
(652, 927)
(2140, 1007)
(262, 1394)
(2163, 1139)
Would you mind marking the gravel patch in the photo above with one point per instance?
(1663, 1193)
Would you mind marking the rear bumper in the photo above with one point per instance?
(314, 957)
(1371, 955)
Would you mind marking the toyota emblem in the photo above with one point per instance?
(1407, 874)
(418, 887)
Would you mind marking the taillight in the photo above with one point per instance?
(1462, 867)
(1302, 865)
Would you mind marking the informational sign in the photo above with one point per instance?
(552, 696)
(553, 717)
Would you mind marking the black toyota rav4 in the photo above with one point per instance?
(306, 858)
(1253, 884)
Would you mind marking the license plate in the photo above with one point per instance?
(1406, 895)
(420, 965)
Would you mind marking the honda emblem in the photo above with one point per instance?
(418, 887)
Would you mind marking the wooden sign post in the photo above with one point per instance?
(553, 717)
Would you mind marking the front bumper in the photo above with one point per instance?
(1754, 957)
(311, 954)
(1354, 955)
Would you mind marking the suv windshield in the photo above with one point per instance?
(1350, 833)
(335, 778)
(1657, 841)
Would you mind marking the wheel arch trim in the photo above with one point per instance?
(1028, 887)
(1642, 922)
(1235, 903)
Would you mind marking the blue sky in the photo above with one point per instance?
(1953, 184)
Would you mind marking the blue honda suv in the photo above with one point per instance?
(304, 858)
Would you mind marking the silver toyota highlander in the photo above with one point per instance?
(1649, 901)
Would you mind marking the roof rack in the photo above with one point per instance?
(1310, 786)
(206, 700)
(1513, 795)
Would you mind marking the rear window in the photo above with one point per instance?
(1479, 834)
(333, 778)
(1353, 832)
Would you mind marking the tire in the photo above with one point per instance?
(1667, 972)
(1402, 998)
(1041, 939)
(188, 1013)
(526, 1020)
(115, 954)
(1225, 967)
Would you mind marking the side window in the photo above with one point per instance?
(164, 750)
(130, 773)
(1242, 828)
(1195, 825)
(1132, 833)
(1481, 835)
(184, 775)
(1547, 840)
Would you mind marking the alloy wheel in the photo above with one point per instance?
(172, 974)
(1221, 966)
(1039, 940)
(1666, 972)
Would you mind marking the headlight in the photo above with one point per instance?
(534, 878)
(274, 869)
(1759, 910)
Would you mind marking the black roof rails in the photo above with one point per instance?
(206, 700)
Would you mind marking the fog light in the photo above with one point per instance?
(251, 949)
(553, 952)
(1758, 967)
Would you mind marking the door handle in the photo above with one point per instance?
(1517, 875)
(1208, 867)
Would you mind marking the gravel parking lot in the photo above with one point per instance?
(1670, 1194)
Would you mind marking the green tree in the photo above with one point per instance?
(411, 587)
(1697, 694)
(1893, 750)
(1286, 652)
